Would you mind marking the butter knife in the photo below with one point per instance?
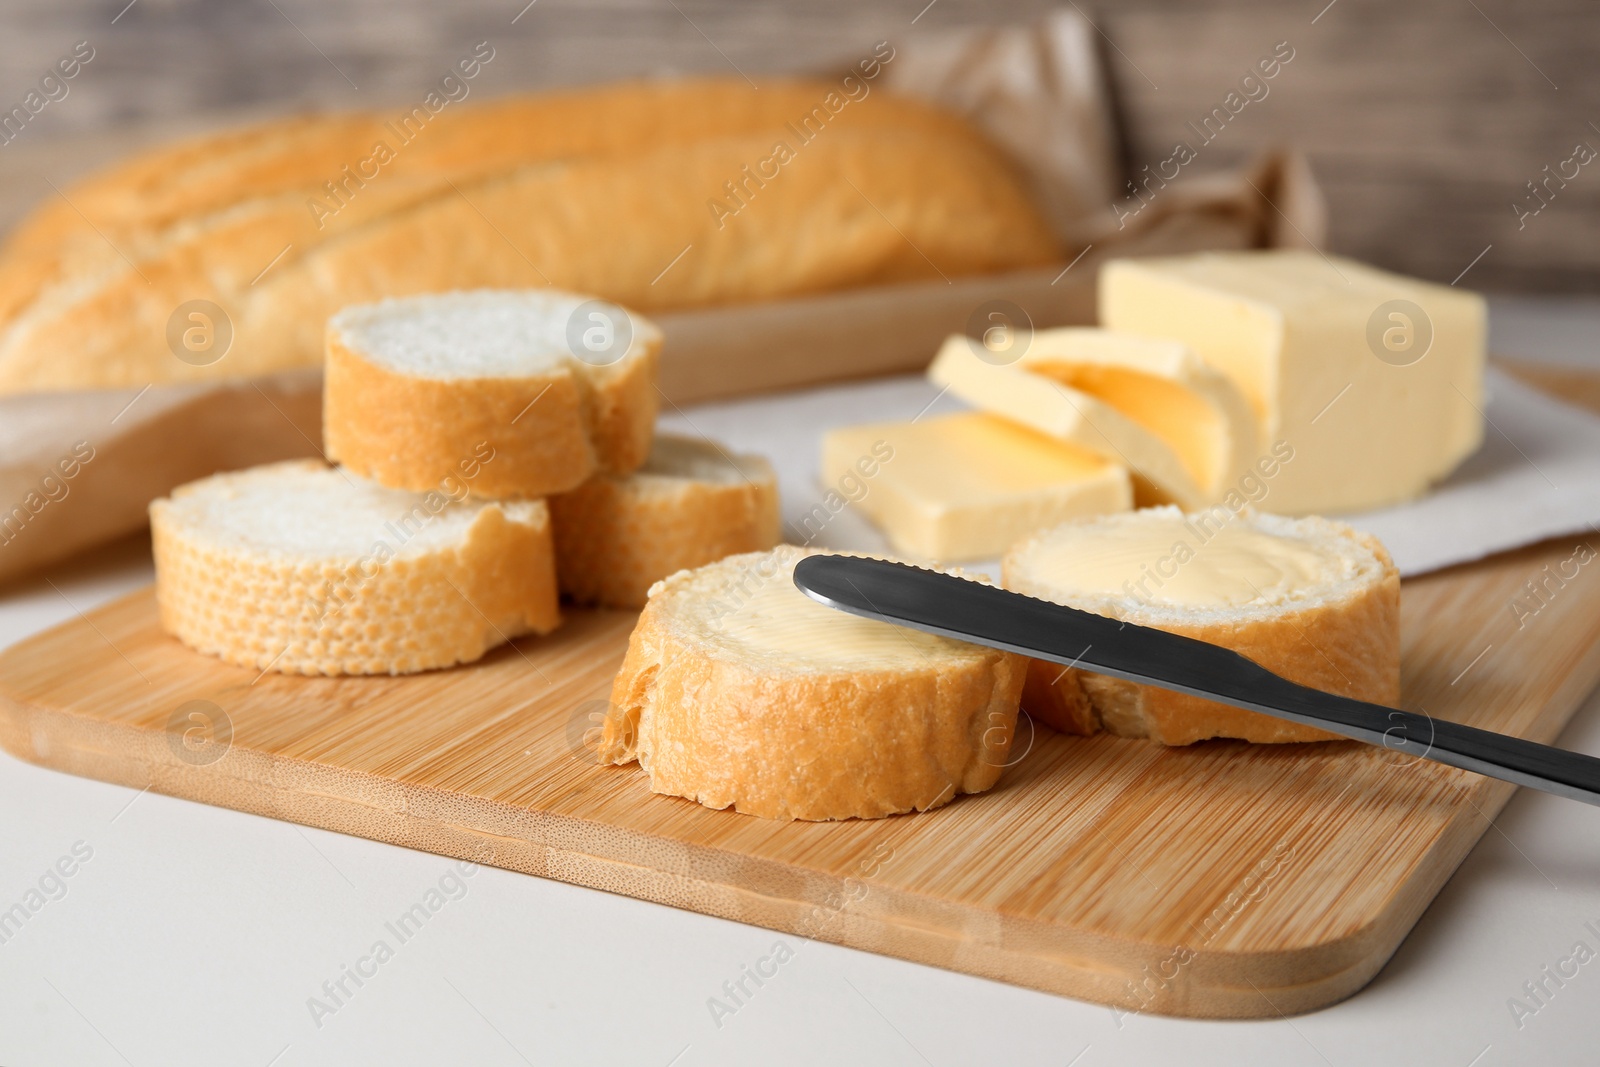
(986, 615)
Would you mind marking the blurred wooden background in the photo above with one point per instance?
(1425, 121)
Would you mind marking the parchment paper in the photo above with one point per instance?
(1537, 475)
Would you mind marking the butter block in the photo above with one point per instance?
(967, 486)
(1183, 429)
(1371, 383)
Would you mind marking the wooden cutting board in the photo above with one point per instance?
(1222, 879)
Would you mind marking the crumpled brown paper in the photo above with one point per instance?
(1041, 94)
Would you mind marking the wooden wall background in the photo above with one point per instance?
(1423, 119)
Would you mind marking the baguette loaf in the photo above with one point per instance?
(276, 162)
(414, 387)
(655, 196)
(1314, 601)
(740, 691)
(690, 504)
(306, 569)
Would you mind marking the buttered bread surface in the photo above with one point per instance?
(740, 691)
(1151, 560)
(777, 622)
(1312, 600)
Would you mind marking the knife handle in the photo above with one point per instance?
(1187, 665)
(1216, 673)
(1512, 759)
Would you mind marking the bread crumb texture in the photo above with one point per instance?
(418, 390)
(305, 569)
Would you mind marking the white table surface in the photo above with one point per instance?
(195, 935)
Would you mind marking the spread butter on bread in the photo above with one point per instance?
(740, 691)
(692, 503)
(414, 386)
(1312, 600)
(305, 569)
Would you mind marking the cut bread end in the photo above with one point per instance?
(534, 391)
(305, 569)
(692, 503)
(740, 691)
(1312, 600)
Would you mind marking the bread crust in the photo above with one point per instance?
(1054, 695)
(616, 536)
(412, 613)
(785, 743)
(598, 190)
(282, 159)
(1350, 646)
(529, 436)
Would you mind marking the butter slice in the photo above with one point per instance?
(1069, 416)
(1184, 429)
(1301, 335)
(968, 486)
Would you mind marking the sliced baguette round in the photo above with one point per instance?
(740, 691)
(301, 568)
(692, 503)
(416, 387)
(1312, 600)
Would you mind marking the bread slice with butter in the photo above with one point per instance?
(1374, 380)
(305, 569)
(967, 486)
(740, 691)
(543, 388)
(692, 503)
(1312, 600)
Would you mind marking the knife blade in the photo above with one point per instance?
(968, 610)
